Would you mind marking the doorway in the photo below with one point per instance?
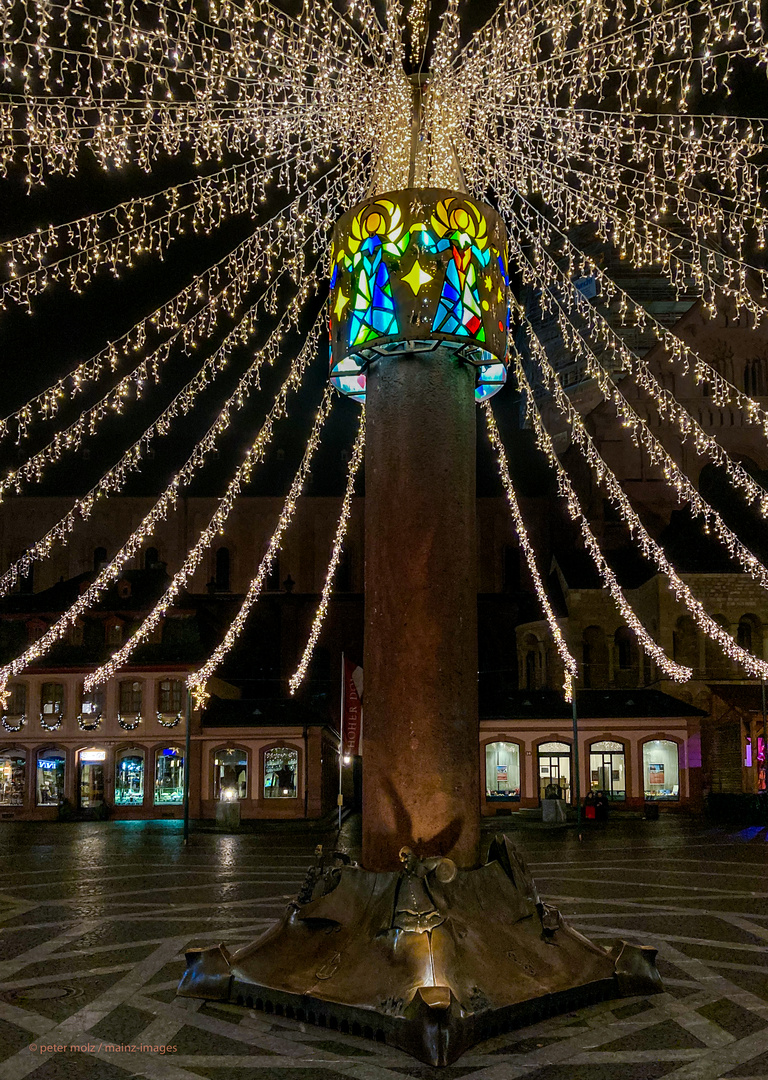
(555, 769)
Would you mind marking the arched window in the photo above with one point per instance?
(686, 642)
(151, 558)
(531, 665)
(661, 770)
(595, 655)
(129, 777)
(502, 772)
(626, 670)
(50, 777)
(717, 664)
(99, 558)
(230, 775)
(13, 776)
(222, 570)
(750, 634)
(281, 765)
(607, 772)
(169, 776)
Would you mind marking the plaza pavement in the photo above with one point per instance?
(95, 917)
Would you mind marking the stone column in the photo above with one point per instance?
(420, 729)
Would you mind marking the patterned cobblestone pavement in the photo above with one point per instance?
(94, 920)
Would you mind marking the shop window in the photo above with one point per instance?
(51, 705)
(280, 768)
(169, 777)
(130, 697)
(13, 775)
(607, 772)
(50, 777)
(502, 772)
(555, 770)
(661, 772)
(91, 763)
(151, 558)
(129, 777)
(15, 715)
(170, 696)
(222, 570)
(91, 709)
(230, 775)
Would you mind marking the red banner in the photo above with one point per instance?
(352, 716)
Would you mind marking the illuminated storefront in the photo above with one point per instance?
(129, 778)
(280, 768)
(502, 772)
(91, 769)
(661, 770)
(607, 769)
(169, 777)
(51, 766)
(636, 746)
(230, 775)
(13, 771)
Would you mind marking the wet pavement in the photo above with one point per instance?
(95, 917)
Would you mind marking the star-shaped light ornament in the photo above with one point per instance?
(341, 303)
(416, 277)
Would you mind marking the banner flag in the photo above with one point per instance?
(352, 721)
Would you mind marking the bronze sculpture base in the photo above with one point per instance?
(431, 960)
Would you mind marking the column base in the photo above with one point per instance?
(431, 959)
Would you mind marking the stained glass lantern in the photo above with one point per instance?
(415, 270)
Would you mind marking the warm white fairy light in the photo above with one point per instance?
(641, 433)
(257, 264)
(114, 479)
(355, 461)
(198, 680)
(648, 546)
(201, 206)
(549, 99)
(537, 229)
(670, 669)
(570, 669)
(253, 456)
(111, 572)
